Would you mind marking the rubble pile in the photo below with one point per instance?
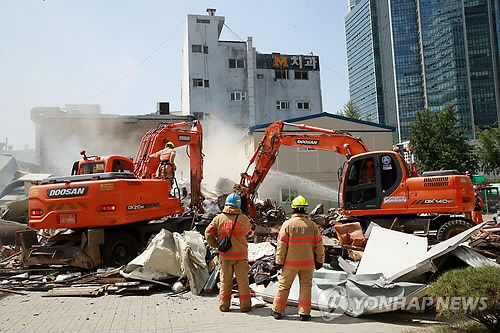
(386, 264)
(487, 242)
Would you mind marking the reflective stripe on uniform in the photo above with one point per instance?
(245, 297)
(279, 301)
(299, 263)
(212, 230)
(234, 233)
(304, 302)
(299, 239)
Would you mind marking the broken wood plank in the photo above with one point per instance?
(76, 291)
(10, 257)
(13, 291)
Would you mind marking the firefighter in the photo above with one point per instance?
(166, 169)
(477, 213)
(234, 262)
(300, 251)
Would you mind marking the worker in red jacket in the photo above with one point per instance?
(234, 262)
(477, 213)
(300, 251)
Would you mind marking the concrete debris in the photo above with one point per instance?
(172, 255)
(257, 251)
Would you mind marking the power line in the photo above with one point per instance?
(136, 66)
(328, 67)
(233, 32)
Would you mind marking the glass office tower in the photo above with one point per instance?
(430, 53)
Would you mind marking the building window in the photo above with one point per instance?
(260, 76)
(201, 115)
(236, 63)
(196, 48)
(203, 21)
(281, 74)
(201, 83)
(303, 105)
(301, 75)
(288, 194)
(238, 96)
(282, 105)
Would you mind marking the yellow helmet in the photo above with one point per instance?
(299, 202)
(169, 144)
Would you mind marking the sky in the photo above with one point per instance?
(126, 55)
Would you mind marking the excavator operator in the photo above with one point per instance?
(166, 169)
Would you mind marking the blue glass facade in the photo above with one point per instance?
(360, 55)
(408, 63)
(442, 52)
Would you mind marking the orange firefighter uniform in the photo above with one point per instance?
(300, 245)
(167, 168)
(235, 260)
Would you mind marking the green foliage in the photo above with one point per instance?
(489, 149)
(470, 284)
(350, 110)
(438, 145)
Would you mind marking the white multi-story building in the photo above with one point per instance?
(232, 81)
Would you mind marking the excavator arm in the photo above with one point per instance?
(268, 148)
(155, 140)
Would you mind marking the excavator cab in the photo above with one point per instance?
(369, 178)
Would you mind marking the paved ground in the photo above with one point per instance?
(184, 313)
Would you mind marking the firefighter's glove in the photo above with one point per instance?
(318, 265)
(279, 266)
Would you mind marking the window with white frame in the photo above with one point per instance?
(197, 48)
(303, 105)
(236, 63)
(287, 194)
(201, 83)
(282, 105)
(238, 95)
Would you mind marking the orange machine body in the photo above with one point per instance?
(114, 190)
(100, 202)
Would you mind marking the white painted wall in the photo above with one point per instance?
(259, 105)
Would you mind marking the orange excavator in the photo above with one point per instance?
(108, 203)
(376, 186)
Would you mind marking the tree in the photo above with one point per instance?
(350, 110)
(438, 145)
(489, 149)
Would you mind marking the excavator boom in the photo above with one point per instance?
(274, 137)
(155, 139)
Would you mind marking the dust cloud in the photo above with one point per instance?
(224, 152)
